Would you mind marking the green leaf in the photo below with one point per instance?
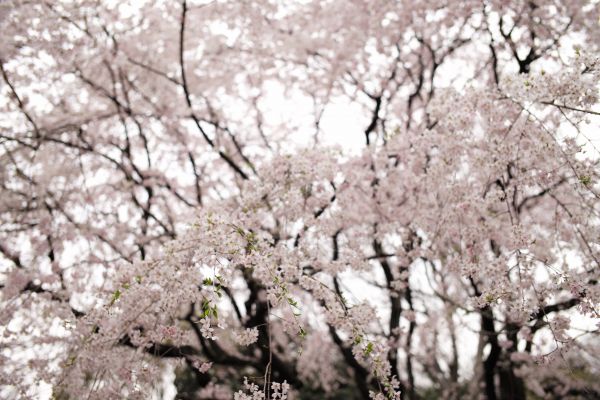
(302, 333)
(292, 302)
(206, 309)
(369, 349)
(115, 297)
(210, 221)
(240, 231)
(585, 180)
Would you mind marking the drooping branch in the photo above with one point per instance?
(228, 160)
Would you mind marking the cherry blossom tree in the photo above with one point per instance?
(174, 216)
